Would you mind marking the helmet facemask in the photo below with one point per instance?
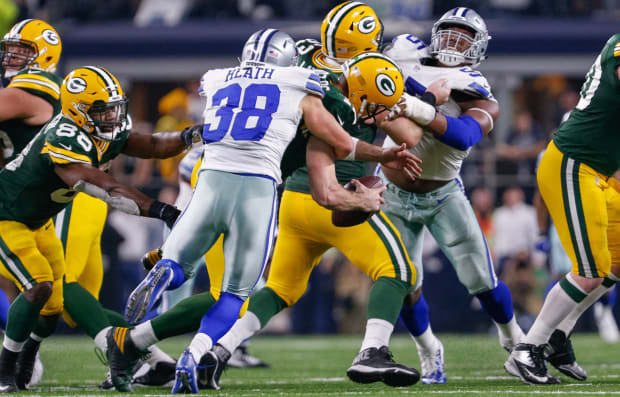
(16, 55)
(453, 47)
(107, 120)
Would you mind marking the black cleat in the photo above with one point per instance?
(374, 365)
(158, 376)
(527, 362)
(25, 363)
(561, 355)
(7, 371)
(211, 367)
(106, 384)
(240, 358)
(123, 356)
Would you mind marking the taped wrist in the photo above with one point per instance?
(462, 133)
(351, 156)
(419, 111)
(165, 212)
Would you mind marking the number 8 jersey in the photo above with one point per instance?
(251, 115)
(30, 190)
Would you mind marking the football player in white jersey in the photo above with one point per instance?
(251, 115)
(451, 125)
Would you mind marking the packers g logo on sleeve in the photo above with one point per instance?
(385, 84)
(76, 85)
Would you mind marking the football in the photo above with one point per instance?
(352, 218)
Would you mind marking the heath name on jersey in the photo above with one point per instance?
(441, 162)
(30, 190)
(268, 99)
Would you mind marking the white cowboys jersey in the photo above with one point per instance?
(441, 161)
(251, 116)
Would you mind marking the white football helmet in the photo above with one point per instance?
(453, 48)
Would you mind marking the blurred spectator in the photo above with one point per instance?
(516, 228)
(482, 203)
(88, 10)
(566, 102)
(161, 12)
(517, 157)
(173, 108)
(8, 15)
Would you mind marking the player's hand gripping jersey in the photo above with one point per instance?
(14, 133)
(30, 191)
(259, 105)
(590, 134)
(441, 162)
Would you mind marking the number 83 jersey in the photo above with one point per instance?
(251, 115)
(30, 191)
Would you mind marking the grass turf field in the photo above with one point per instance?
(316, 365)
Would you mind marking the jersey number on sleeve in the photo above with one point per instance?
(249, 112)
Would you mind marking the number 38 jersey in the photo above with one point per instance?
(251, 116)
(590, 134)
(30, 191)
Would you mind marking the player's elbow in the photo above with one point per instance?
(344, 148)
(323, 194)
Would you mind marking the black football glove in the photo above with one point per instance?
(192, 134)
(165, 212)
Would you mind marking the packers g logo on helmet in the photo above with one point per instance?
(385, 84)
(349, 29)
(31, 43)
(93, 99)
(374, 82)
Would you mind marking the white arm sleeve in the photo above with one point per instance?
(120, 203)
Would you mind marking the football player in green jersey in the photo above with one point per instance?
(67, 157)
(30, 96)
(575, 178)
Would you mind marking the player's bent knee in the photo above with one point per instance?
(413, 297)
(40, 293)
(290, 295)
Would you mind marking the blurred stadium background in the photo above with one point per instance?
(538, 56)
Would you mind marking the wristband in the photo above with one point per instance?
(429, 98)
(351, 155)
(165, 212)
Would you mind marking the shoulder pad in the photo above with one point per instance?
(407, 48)
(306, 45)
(66, 143)
(470, 82)
(304, 79)
(37, 81)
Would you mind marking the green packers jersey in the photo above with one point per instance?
(340, 107)
(30, 191)
(590, 135)
(14, 133)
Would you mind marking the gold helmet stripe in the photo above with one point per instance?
(333, 25)
(107, 77)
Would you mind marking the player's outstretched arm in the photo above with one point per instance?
(16, 103)
(161, 145)
(325, 188)
(94, 182)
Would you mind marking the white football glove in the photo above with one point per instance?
(413, 108)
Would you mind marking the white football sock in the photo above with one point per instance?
(569, 322)
(426, 340)
(157, 356)
(100, 339)
(200, 345)
(509, 333)
(143, 335)
(556, 308)
(12, 345)
(244, 328)
(378, 333)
